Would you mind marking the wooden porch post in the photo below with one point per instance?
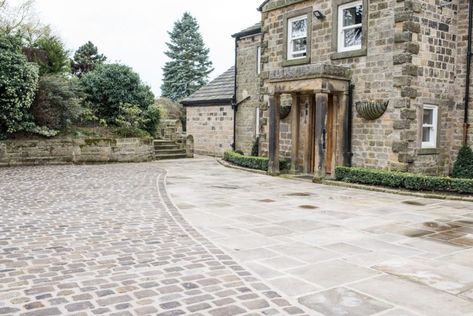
(295, 118)
(321, 106)
(274, 122)
(308, 146)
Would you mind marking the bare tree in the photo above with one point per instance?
(21, 18)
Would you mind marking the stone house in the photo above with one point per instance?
(367, 83)
(209, 115)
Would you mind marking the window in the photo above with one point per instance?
(297, 37)
(429, 126)
(257, 126)
(350, 26)
(258, 60)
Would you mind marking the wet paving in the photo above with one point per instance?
(334, 250)
(107, 239)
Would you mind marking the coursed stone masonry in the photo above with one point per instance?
(65, 151)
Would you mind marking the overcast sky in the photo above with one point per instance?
(135, 32)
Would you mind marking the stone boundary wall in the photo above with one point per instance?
(67, 151)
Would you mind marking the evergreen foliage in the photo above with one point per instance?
(18, 83)
(111, 85)
(189, 67)
(463, 167)
(57, 104)
(57, 61)
(86, 59)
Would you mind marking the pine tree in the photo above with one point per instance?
(86, 59)
(189, 67)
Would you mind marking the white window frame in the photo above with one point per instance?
(258, 60)
(433, 127)
(257, 126)
(290, 39)
(342, 29)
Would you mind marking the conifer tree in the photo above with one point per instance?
(189, 65)
(86, 59)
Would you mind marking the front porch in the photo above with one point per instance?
(319, 119)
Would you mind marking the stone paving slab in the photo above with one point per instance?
(335, 250)
(107, 239)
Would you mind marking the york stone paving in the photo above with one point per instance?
(107, 239)
(334, 250)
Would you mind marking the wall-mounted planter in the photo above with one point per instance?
(371, 110)
(284, 111)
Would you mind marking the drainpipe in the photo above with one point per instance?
(234, 101)
(469, 53)
(349, 136)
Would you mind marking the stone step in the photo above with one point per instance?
(170, 156)
(166, 146)
(170, 151)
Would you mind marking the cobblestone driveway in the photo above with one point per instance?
(106, 239)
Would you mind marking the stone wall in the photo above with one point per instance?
(64, 151)
(211, 127)
(248, 94)
(415, 55)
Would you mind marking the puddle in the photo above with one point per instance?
(226, 187)
(309, 207)
(299, 194)
(415, 203)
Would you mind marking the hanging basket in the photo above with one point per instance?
(371, 110)
(284, 111)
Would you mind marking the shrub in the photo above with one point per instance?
(463, 167)
(110, 85)
(57, 102)
(255, 147)
(57, 61)
(258, 163)
(18, 83)
(151, 118)
(403, 180)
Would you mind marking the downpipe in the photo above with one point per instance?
(466, 125)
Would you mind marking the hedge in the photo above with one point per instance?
(259, 163)
(403, 180)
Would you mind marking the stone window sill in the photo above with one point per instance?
(349, 54)
(295, 62)
(428, 151)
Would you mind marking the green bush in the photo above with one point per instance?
(403, 180)
(57, 104)
(151, 118)
(463, 167)
(18, 83)
(57, 61)
(258, 163)
(111, 85)
(255, 147)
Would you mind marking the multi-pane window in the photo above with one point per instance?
(258, 60)
(350, 26)
(429, 126)
(297, 37)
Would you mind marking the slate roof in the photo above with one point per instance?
(260, 8)
(219, 91)
(254, 29)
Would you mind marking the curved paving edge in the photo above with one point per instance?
(273, 299)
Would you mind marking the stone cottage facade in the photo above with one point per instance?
(210, 117)
(364, 83)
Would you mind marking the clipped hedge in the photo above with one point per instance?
(258, 163)
(403, 180)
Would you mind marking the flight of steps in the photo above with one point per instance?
(166, 149)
